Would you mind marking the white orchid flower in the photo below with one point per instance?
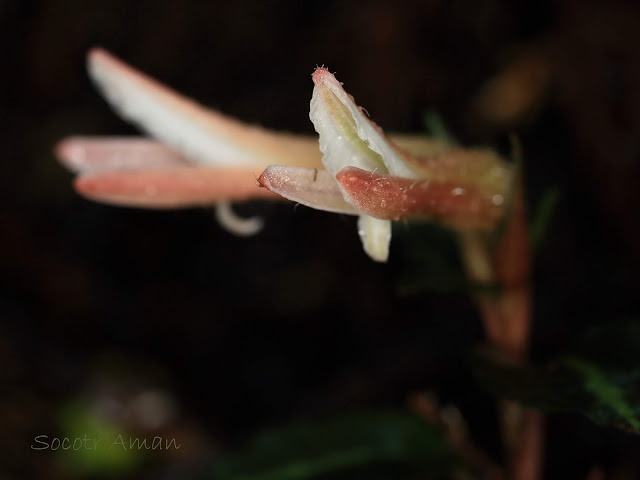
(380, 181)
(201, 157)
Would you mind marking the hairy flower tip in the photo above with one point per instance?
(320, 74)
(463, 206)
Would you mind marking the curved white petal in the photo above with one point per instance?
(201, 134)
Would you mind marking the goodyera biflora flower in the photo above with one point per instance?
(201, 157)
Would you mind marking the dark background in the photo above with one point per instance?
(296, 323)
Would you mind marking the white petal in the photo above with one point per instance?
(347, 136)
(375, 235)
(339, 141)
(201, 134)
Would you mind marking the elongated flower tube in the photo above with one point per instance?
(200, 157)
(207, 158)
(462, 188)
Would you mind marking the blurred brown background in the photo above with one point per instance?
(297, 322)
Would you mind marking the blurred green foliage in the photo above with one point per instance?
(362, 445)
(600, 379)
(100, 452)
(542, 216)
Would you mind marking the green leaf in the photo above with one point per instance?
(92, 437)
(436, 127)
(601, 380)
(541, 219)
(608, 393)
(358, 446)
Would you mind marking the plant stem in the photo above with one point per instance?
(507, 321)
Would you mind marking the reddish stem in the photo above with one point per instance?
(507, 321)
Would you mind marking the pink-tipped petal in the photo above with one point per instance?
(177, 187)
(394, 198)
(100, 154)
(201, 134)
(309, 186)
